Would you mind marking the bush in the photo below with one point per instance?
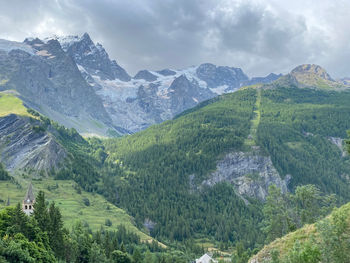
(108, 222)
(86, 201)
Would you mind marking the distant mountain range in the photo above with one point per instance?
(73, 81)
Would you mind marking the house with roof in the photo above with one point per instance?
(206, 259)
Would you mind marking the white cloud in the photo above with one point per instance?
(259, 36)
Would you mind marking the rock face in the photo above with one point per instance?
(311, 69)
(339, 142)
(315, 76)
(232, 78)
(93, 58)
(73, 81)
(49, 81)
(185, 94)
(166, 72)
(146, 75)
(250, 173)
(23, 146)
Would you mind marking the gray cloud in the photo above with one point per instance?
(259, 36)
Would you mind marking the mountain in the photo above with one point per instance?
(315, 76)
(148, 98)
(216, 161)
(49, 81)
(93, 58)
(73, 81)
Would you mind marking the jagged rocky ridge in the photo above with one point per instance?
(23, 145)
(49, 81)
(73, 81)
(150, 96)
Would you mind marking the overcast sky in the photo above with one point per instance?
(258, 36)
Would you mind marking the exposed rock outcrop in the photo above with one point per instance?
(214, 76)
(315, 76)
(24, 145)
(93, 58)
(250, 173)
(146, 75)
(339, 143)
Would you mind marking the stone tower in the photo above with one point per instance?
(28, 201)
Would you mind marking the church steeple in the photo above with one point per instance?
(28, 201)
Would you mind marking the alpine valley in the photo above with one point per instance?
(169, 164)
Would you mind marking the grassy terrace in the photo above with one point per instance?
(71, 204)
(9, 104)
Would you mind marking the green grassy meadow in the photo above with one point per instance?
(10, 104)
(71, 204)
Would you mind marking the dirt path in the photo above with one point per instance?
(252, 137)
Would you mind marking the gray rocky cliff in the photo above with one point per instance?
(49, 81)
(146, 75)
(24, 146)
(185, 94)
(216, 76)
(93, 58)
(250, 173)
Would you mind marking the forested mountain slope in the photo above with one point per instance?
(34, 148)
(182, 175)
(206, 173)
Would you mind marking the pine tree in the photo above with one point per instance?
(137, 257)
(40, 212)
(19, 221)
(55, 230)
(120, 257)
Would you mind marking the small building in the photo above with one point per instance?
(29, 201)
(206, 259)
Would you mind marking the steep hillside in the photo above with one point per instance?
(33, 148)
(48, 80)
(232, 148)
(24, 145)
(325, 241)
